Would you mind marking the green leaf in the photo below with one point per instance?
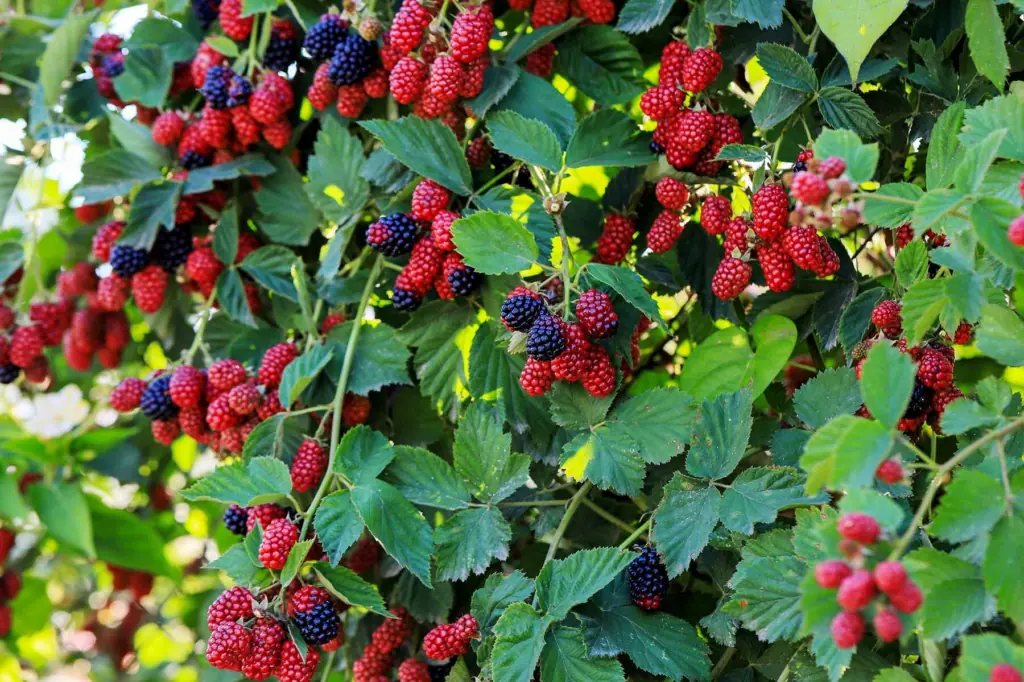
(494, 243)
(698, 31)
(424, 478)
(828, 395)
(742, 152)
(335, 185)
(286, 213)
(232, 298)
(608, 138)
(124, 539)
(380, 358)
(483, 457)
(722, 363)
(338, 524)
(912, 263)
(398, 526)
(683, 523)
(626, 284)
(721, 435)
(987, 40)
(845, 453)
(535, 98)
(889, 213)
(236, 564)
(774, 338)
(784, 66)
(225, 237)
(251, 7)
(776, 104)
(271, 266)
(894, 675)
(882, 508)
(660, 421)
(520, 632)
(301, 372)
(296, 557)
(765, 13)
(12, 506)
(178, 44)
(363, 454)
(137, 138)
(788, 445)
(995, 114)
(608, 458)
(278, 437)
(62, 508)
(842, 108)
(886, 382)
(944, 149)
(565, 583)
(602, 63)
(147, 76)
(60, 54)
(152, 207)
(428, 147)
(936, 572)
(224, 45)
(497, 594)
(263, 479)
(1001, 568)
(435, 331)
(853, 27)
(971, 506)
(659, 643)
(856, 318)
(758, 494)
(766, 596)
(498, 80)
(350, 588)
(202, 179)
(991, 218)
(640, 16)
(112, 174)
(10, 176)
(565, 659)
(525, 139)
(573, 407)
(469, 540)
(1001, 335)
(979, 653)
(970, 175)
(934, 207)
(963, 414)
(861, 159)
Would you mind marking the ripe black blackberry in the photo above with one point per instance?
(239, 91)
(282, 51)
(656, 148)
(192, 159)
(648, 579)
(920, 401)
(520, 312)
(156, 400)
(799, 166)
(393, 234)
(235, 518)
(114, 65)
(323, 37)
(439, 673)
(215, 89)
(172, 248)
(465, 280)
(546, 340)
(501, 161)
(205, 11)
(9, 373)
(353, 58)
(318, 625)
(405, 300)
(126, 261)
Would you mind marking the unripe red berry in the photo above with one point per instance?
(856, 591)
(888, 625)
(847, 629)
(859, 528)
(830, 574)
(1004, 672)
(890, 576)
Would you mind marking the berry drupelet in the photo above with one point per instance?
(648, 579)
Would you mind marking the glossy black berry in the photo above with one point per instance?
(648, 579)
(205, 11)
(319, 625)
(799, 166)
(920, 401)
(239, 91)
(439, 673)
(235, 518)
(323, 37)
(156, 399)
(126, 261)
(215, 89)
(465, 280)
(9, 373)
(546, 339)
(519, 312)
(393, 234)
(281, 52)
(114, 65)
(172, 248)
(353, 58)
(192, 159)
(405, 300)
(656, 148)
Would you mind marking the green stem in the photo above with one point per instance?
(815, 351)
(203, 319)
(330, 660)
(574, 504)
(804, 38)
(719, 668)
(607, 516)
(566, 255)
(17, 81)
(339, 395)
(636, 534)
(528, 503)
(298, 18)
(884, 197)
(493, 181)
(939, 479)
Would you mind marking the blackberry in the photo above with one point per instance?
(9, 373)
(281, 52)
(156, 400)
(172, 248)
(323, 37)
(393, 234)
(405, 300)
(465, 280)
(114, 65)
(126, 261)
(192, 159)
(235, 518)
(920, 400)
(353, 59)
(520, 312)
(439, 673)
(799, 166)
(547, 338)
(239, 91)
(205, 11)
(319, 625)
(648, 579)
(215, 89)
(656, 148)
(501, 161)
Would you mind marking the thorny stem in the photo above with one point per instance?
(939, 479)
(339, 395)
(204, 317)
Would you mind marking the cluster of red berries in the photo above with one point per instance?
(447, 70)
(689, 136)
(1015, 232)
(451, 639)
(822, 192)
(933, 389)
(673, 195)
(23, 337)
(549, 12)
(862, 583)
(379, 655)
(616, 239)
(434, 264)
(10, 582)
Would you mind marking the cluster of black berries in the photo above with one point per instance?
(351, 56)
(283, 46)
(170, 250)
(648, 579)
